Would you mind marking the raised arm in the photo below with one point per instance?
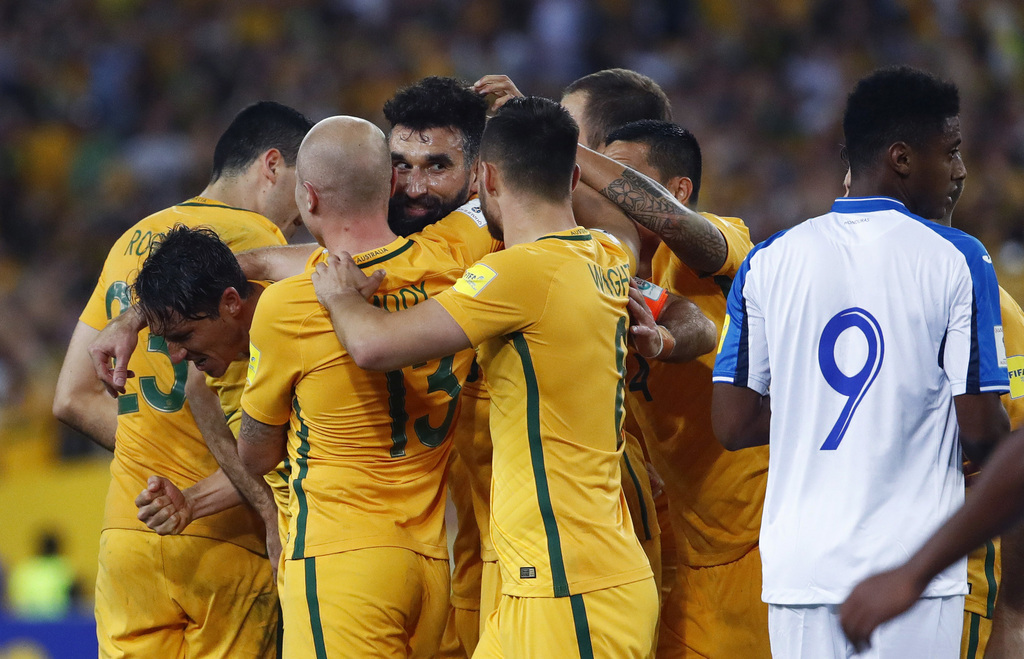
(698, 243)
(595, 212)
(80, 399)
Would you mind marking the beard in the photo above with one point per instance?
(435, 207)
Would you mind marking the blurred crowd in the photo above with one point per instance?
(109, 110)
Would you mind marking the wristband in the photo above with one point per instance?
(668, 342)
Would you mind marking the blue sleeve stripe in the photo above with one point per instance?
(743, 349)
(983, 365)
(974, 365)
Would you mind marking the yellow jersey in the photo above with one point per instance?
(472, 439)
(715, 496)
(984, 569)
(549, 322)
(368, 451)
(155, 430)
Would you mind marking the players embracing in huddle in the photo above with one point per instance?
(469, 322)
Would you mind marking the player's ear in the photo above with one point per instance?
(312, 198)
(473, 175)
(681, 188)
(270, 163)
(230, 302)
(899, 156)
(488, 177)
(575, 177)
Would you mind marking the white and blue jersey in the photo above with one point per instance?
(865, 323)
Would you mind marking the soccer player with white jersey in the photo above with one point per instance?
(878, 333)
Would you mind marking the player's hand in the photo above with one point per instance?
(498, 89)
(113, 347)
(163, 507)
(876, 600)
(339, 275)
(642, 329)
(657, 482)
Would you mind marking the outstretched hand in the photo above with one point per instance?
(339, 275)
(112, 349)
(163, 507)
(876, 600)
(499, 89)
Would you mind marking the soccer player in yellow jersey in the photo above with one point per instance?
(715, 497)
(366, 570)
(548, 315)
(208, 592)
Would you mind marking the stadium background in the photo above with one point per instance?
(109, 110)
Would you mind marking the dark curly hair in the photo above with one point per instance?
(184, 277)
(441, 102)
(895, 104)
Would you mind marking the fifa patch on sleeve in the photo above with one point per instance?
(254, 364)
(1015, 365)
(721, 339)
(654, 295)
(475, 279)
(1000, 346)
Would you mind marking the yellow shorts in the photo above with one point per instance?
(716, 612)
(183, 596)
(612, 623)
(461, 634)
(977, 630)
(376, 602)
(490, 591)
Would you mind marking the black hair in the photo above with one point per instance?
(895, 104)
(255, 130)
(671, 149)
(616, 97)
(185, 276)
(441, 102)
(533, 142)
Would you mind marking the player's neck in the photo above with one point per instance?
(529, 219)
(234, 191)
(356, 235)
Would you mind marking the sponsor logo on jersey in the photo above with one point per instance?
(1015, 365)
(475, 279)
(254, 364)
(473, 210)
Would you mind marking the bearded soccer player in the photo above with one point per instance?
(366, 570)
(209, 591)
(571, 563)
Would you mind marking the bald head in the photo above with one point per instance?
(347, 162)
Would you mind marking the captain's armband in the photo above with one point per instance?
(654, 296)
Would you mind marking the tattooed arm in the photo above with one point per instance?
(695, 240)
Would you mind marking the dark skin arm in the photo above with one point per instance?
(1007, 639)
(741, 417)
(692, 333)
(698, 243)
